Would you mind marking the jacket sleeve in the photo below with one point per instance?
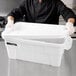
(18, 12)
(65, 11)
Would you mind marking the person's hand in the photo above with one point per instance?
(70, 28)
(9, 25)
(10, 22)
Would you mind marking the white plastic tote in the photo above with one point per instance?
(39, 43)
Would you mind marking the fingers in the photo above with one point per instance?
(9, 25)
(10, 21)
(70, 28)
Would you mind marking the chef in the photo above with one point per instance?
(42, 11)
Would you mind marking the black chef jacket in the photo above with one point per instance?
(48, 11)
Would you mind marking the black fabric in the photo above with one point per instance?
(46, 12)
(75, 21)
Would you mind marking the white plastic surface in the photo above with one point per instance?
(40, 43)
(37, 30)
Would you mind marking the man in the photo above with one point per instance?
(43, 11)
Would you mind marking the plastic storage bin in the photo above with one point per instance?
(39, 43)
